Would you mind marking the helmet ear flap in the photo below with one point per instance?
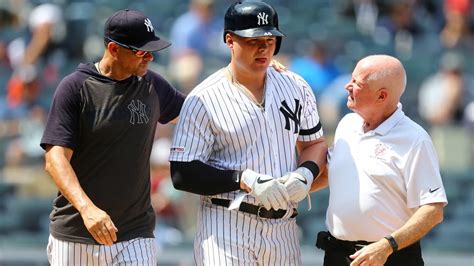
(278, 44)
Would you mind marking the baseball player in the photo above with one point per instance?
(98, 140)
(249, 140)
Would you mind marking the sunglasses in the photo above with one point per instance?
(138, 53)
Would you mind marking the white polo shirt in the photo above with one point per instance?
(378, 179)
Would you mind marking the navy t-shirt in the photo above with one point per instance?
(110, 126)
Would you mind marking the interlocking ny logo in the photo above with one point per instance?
(262, 18)
(137, 112)
(293, 115)
(149, 26)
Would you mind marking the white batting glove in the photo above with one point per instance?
(267, 190)
(297, 183)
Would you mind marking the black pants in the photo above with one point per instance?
(337, 252)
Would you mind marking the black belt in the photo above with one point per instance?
(325, 240)
(254, 209)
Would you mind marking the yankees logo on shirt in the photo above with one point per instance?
(291, 115)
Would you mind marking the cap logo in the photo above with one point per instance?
(149, 26)
(267, 34)
(262, 18)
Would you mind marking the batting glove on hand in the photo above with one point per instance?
(297, 183)
(267, 190)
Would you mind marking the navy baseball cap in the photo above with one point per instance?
(132, 28)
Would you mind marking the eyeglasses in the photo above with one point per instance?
(138, 53)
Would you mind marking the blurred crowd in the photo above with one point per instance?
(41, 41)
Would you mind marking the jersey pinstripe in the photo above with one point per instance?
(221, 126)
(138, 251)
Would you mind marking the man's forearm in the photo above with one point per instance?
(321, 181)
(63, 175)
(422, 221)
(313, 151)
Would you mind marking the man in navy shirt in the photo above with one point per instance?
(98, 140)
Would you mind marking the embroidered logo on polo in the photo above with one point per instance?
(149, 26)
(380, 150)
(262, 18)
(137, 112)
(293, 115)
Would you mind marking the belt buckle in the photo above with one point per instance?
(258, 211)
(359, 246)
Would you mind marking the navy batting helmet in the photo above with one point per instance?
(253, 19)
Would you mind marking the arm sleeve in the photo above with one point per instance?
(193, 138)
(422, 176)
(62, 126)
(310, 125)
(200, 178)
(171, 100)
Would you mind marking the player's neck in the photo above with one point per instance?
(254, 82)
(255, 93)
(110, 68)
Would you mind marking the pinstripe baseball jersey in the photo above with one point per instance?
(222, 126)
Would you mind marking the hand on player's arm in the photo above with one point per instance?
(97, 222)
(421, 222)
(277, 65)
(267, 190)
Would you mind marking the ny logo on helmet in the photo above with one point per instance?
(262, 18)
(149, 26)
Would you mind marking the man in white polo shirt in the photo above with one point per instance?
(385, 187)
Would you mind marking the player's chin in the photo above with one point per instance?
(141, 71)
(350, 103)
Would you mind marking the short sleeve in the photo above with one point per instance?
(310, 125)
(62, 126)
(171, 100)
(193, 137)
(422, 176)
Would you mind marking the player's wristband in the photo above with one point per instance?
(311, 166)
(392, 242)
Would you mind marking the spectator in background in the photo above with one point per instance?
(30, 56)
(444, 95)
(402, 26)
(332, 103)
(196, 36)
(457, 33)
(316, 67)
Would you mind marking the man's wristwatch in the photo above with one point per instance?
(392, 242)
